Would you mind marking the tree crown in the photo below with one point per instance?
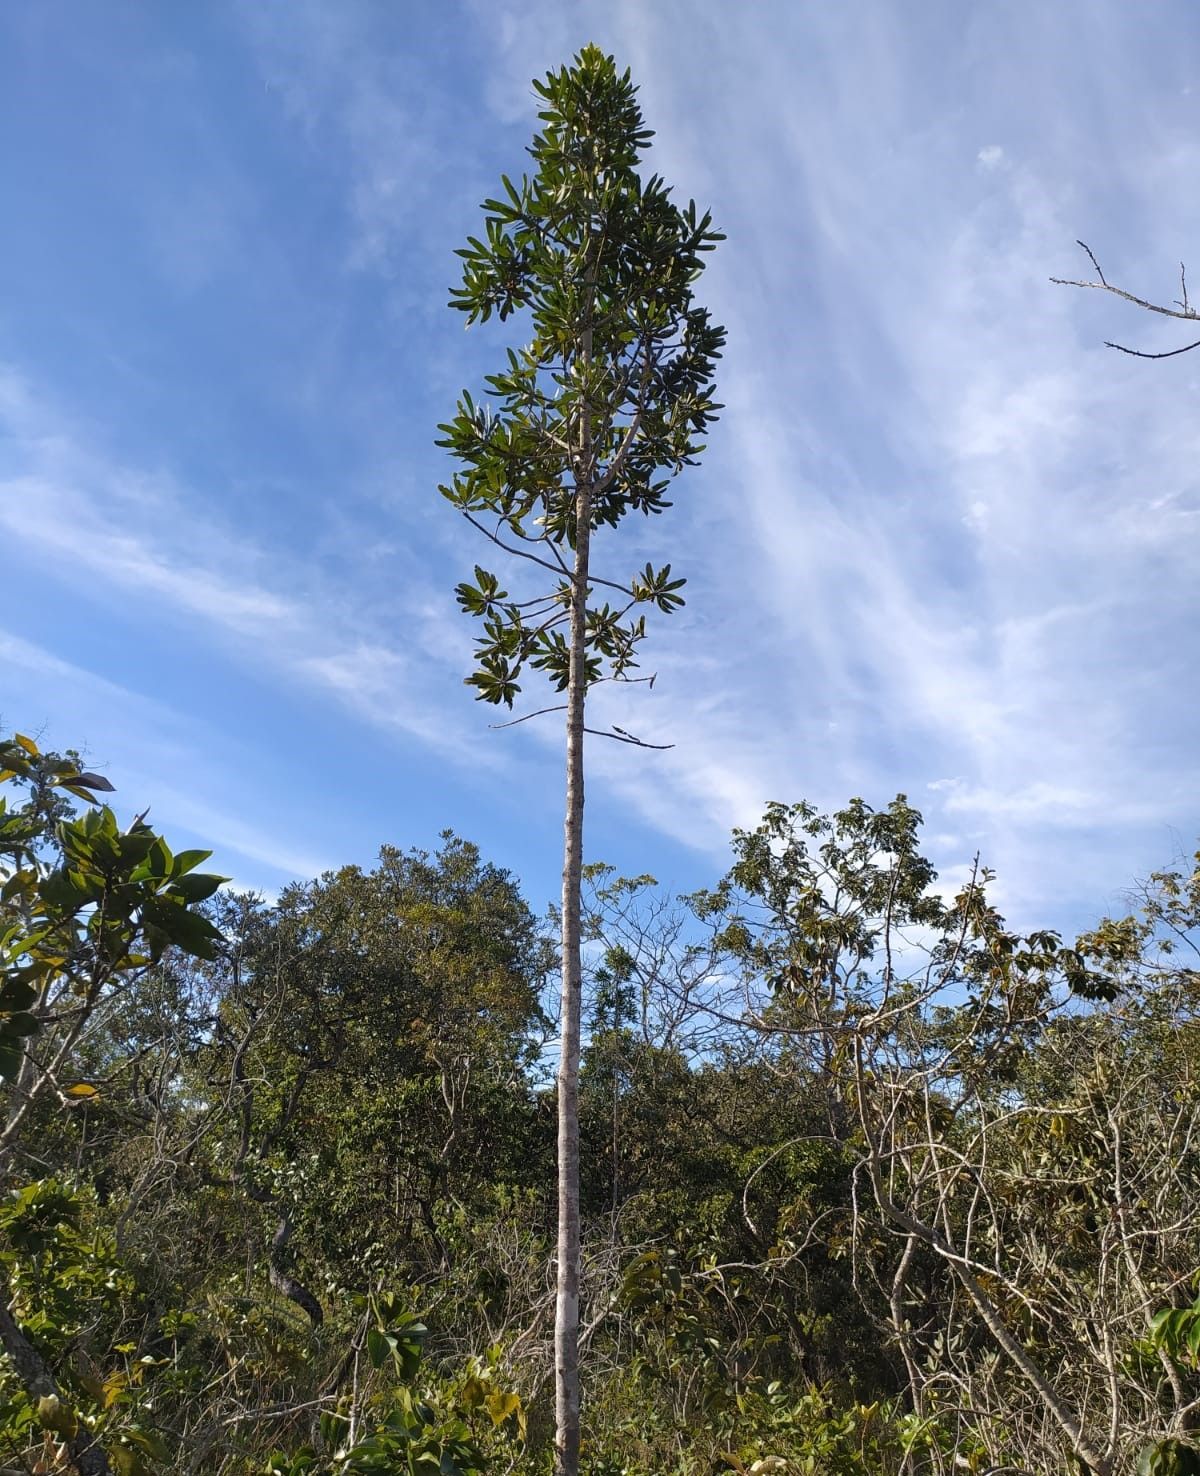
(613, 393)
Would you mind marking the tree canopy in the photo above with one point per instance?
(870, 1182)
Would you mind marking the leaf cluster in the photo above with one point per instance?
(613, 393)
(82, 902)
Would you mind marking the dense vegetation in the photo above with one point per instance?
(852, 1177)
(870, 1183)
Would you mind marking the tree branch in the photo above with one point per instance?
(541, 712)
(1182, 309)
(619, 735)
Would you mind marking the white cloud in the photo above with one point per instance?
(963, 528)
(157, 758)
(73, 508)
(940, 531)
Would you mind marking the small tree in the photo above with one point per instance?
(86, 908)
(605, 404)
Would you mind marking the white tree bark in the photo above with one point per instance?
(566, 1311)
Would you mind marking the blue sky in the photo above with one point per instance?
(943, 542)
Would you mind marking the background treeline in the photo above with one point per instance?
(870, 1182)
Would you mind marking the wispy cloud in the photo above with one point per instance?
(364, 98)
(943, 541)
(75, 509)
(171, 762)
(953, 535)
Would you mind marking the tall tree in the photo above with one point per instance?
(589, 421)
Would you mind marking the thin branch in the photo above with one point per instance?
(278, 1412)
(635, 425)
(619, 735)
(541, 712)
(1092, 259)
(518, 553)
(1103, 285)
(1182, 308)
(1142, 354)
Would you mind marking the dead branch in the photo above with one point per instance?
(1181, 308)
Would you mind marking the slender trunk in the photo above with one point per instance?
(566, 1304)
(903, 1335)
(566, 1312)
(39, 1383)
(616, 1136)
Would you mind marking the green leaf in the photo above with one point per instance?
(18, 1026)
(150, 1441)
(70, 888)
(55, 1415)
(78, 782)
(1169, 1458)
(11, 1056)
(501, 1405)
(379, 1349)
(197, 887)
(190, 931)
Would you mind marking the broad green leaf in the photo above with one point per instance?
(379, 1349)
(197, 887)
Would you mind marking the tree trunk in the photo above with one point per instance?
(39, 1383)
(566, 1311)
(282, 1279)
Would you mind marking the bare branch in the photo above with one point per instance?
(541, 712)
(619, 735)
(1142, 354)
(1181, 309)
(519, 553)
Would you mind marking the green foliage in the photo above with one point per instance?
(417, 1434)
(419, 1423)
(614, 389)
(1176, 1331)
(83, 904)
(394, 1337)
(341, 1095)
(388, 1019)
(71, 1296)
(1169, 1458)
